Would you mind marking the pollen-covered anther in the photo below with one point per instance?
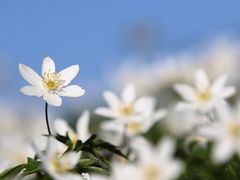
(52, 81)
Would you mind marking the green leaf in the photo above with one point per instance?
(87, 162)
(33, 166)
(97, 170)
(12, 172)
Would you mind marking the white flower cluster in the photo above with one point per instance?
(202, 115)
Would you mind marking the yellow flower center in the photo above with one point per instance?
(135, 126)
(51, 81)
(234, 129)
(151, 172)
(204, 95)
(126, 109)
(60, 166)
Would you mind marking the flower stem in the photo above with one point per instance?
(46, 115)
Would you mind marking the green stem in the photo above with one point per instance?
(46, 115)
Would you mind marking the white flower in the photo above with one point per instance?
(130, 115)
(58, 165)
(154, 163)
(51, 85)
(82, 126)
(204, 96)
(135, 125)
(225, 134)
(183, 123)
(125, 107)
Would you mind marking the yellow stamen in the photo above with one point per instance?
(126, 109)
(151, 172)
(135, 126)
(234, 128)
(51, 81)
(204, 95)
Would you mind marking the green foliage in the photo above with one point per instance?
(97, 162)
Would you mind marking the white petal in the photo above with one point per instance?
(166, 147)
(52, 99)
(223, 151)
(83, 126)
(129, 94)
(52, 147)
(174, 169)
(86, 176)
(30, 75)
(112, 100)
(186, 92)
(61, 127)
(228, 92)
(218, 85)
(67, 175)
(72, 91)
(48, 65)
(182, 106)
(113, 126)
(145, 152)
(145, 105)
(201, 80)
(32, 91)
(69, 74)
(159, 115)
(106, 112)
(70, 158)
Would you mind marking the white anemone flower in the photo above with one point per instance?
(59, 165)
(51, 85)
(82, 133)
(135, 124)
(204, 96)
(225, 134)
(125, 107)
(153, 163)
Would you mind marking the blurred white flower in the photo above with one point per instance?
(134, 125)
(58, 165)
(225, 134)
(122, 108)
(204, 96)
(153, 163)
(82, 127)
(130, 115)
(52, 84)
(180, 124)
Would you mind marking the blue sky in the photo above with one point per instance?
(91, 33)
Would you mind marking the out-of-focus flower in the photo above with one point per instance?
(59, 165)
(225, 134)
(180, 124)
(152, 163)
(82, 126)
(130, 115)
(134, 125)
(52, 84)
(123, 108)
(204, 96)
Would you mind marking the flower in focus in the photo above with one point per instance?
(59, 165)
(82, 126)
(51, 85)
(204, 96)
(152, 163)
(225, 134)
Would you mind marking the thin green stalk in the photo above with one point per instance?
(46, 115)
